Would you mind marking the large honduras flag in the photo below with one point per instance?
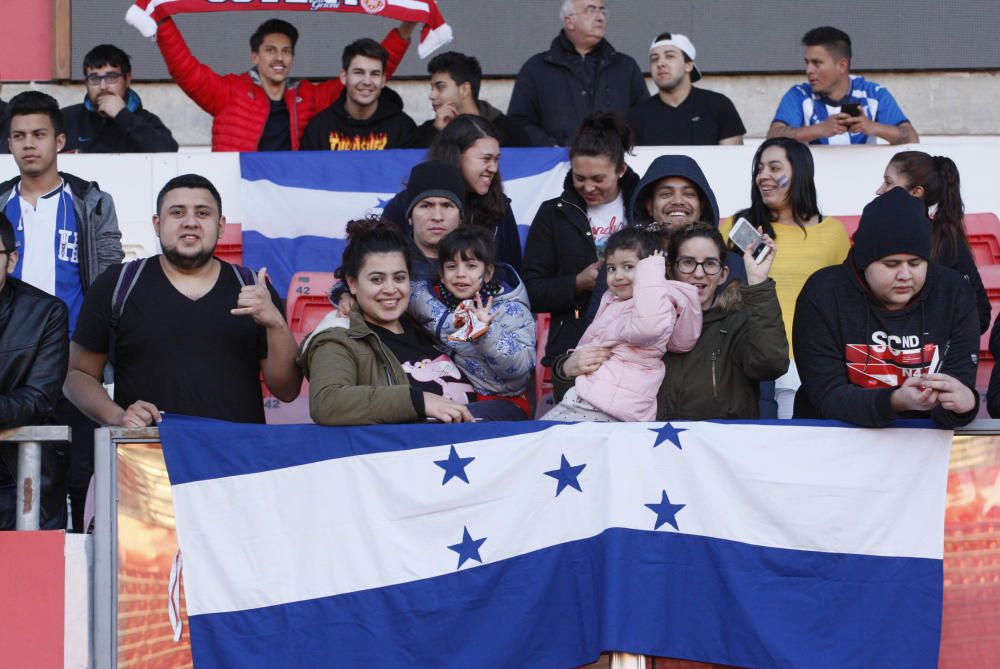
(296, 205)
(802, 544)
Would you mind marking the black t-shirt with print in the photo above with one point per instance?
(427, 368)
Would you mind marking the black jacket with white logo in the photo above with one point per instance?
(851, 353)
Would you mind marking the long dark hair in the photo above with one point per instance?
(366, 236)
(605, 134)
(802, 191)
(938, 175)
(463, 131)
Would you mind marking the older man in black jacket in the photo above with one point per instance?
(34, 351)
(580, 74)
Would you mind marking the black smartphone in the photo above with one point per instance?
(851, 108)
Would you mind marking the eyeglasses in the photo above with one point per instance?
(110, 78)
(688, 265)
(590, 10)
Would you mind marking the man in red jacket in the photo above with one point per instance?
(260, 110)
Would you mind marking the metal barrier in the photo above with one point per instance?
(29, 442)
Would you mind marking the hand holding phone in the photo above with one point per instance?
(743, 235)
(851, 108)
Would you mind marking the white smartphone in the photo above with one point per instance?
(743, 235)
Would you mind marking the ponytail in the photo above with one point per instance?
(938, 176)
(949, 219)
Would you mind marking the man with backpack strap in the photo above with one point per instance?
(187, 332)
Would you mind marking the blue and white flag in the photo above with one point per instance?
(534, 544)
(296, 205)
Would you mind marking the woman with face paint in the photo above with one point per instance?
(783, 205)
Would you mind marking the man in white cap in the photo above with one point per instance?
(678, 113)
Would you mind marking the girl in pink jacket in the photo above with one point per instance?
(642, 316)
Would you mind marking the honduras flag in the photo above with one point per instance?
(534, 544)
(296, 205)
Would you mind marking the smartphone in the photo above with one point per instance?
(743, 235)
(851, 108)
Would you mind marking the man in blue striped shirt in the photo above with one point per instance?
(834, 106)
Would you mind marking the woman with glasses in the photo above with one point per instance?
(742, 339)
(783, 204)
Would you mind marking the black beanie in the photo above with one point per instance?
(895, 222)
(435, 178)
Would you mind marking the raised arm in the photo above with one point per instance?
(200, 82)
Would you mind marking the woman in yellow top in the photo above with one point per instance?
(783, 205)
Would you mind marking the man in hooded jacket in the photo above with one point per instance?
(887, 334)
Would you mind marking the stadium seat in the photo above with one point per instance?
(308, 301)
(230, 247)
(543, 375)
(850, 224)
(991, 280)
(983, 231)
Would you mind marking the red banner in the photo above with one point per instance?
(145, 15)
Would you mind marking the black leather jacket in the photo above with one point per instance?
(34, 353)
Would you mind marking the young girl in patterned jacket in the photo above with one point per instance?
(478, 309)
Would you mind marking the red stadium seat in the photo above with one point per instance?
(230, 247)
(543, 375)
(983, 231)
(991, 280)
(850, 224)
(308, 301)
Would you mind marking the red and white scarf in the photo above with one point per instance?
(145, 15)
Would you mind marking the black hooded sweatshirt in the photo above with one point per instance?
(852, 353)
(389, 127)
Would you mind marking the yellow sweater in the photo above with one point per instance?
(799, 255)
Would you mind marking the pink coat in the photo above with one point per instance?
(662, 315)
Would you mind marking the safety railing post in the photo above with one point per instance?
(627, 661)
(30, 441)
(29, 487)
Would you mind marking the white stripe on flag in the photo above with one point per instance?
(351, 524)
(528, 193)
(285, 211)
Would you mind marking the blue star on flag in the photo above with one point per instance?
(668, 433)
(665, 512)
(381, 203)
(468, 549)
(454, 466)
(566, 475)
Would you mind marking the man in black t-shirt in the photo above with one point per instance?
(183, 343)
(679, 113)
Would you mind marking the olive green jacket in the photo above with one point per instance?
(742, 343)
(354, 379)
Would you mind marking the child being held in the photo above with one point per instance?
(478, 310)
(641, 316)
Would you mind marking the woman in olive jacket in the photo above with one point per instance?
(742, 340)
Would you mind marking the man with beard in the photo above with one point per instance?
(111, 118)
(678, 113)
(187, 333)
